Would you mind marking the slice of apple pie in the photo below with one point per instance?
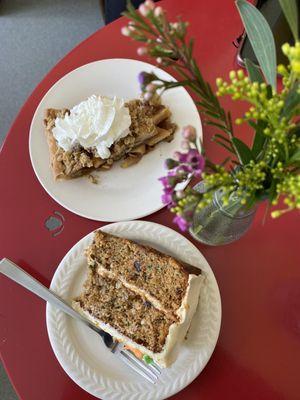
(99, 131)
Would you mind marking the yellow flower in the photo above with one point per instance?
(293, 54)
(276, 214)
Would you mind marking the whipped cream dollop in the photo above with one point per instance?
(97, 123)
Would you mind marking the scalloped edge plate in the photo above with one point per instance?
(82, 354)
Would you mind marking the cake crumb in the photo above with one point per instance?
(93, 179)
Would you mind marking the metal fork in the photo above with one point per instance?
(150, 372)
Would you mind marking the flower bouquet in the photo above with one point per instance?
(220, 209)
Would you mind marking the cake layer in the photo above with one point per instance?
(109, 301)
(156, 276)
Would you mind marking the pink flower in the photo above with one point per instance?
(151, 87)
(158, 11)
(181, 222)
(150, 4)
(144, 10)
(142, 51)
(125, 31)
(189, 133)
(148, 96)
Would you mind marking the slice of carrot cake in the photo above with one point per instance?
(142, 297)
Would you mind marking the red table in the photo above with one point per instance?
(258, 353)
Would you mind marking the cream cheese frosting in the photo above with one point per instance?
(95, 123)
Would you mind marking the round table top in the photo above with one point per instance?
(258, 352)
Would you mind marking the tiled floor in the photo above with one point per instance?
(34, 35)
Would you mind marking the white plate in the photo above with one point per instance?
(121, 194)
(80, 351)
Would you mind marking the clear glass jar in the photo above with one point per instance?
(217, 224)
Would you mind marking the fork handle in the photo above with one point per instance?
(17, 274)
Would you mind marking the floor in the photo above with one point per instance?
(34, 35)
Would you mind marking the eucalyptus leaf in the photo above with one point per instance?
(244, 153)
(261, 39)
(290, 10)
(253, 71)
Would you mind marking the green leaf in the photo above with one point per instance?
(281, 151)
(253, 71)
(223, 145)
(272, 193)
(211, 114)
(292, 102)
(190, 47)
(269, 92)
(261, 39)
(217, 135)
(220, 126)
(295, 131)
(258, 143)
(244, 153)
(290, 10)
(140, 38)
(295, 157)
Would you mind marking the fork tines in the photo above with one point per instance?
(151, 372)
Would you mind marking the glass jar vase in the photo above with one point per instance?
(217, 224)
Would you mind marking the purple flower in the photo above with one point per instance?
(164, 181)
(170, 180)
(166, 198)
(183, 170)
(181, 222)
(196, 160)
(181, 157)
(145, 78)
(142, 76)
(168, 190)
